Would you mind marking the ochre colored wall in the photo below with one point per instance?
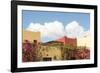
(30, 36)
(85, 41)
(49, 52)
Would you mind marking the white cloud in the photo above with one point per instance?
(56, 29)
(52, 30)
(75, 30)
(86, 34)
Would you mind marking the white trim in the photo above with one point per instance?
(53, 63)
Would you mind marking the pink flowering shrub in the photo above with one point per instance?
(27, 54)
(78, 54)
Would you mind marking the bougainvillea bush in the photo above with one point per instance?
(70, 53)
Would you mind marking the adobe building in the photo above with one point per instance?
(30, 36)
(68, 41)
(84, 41)
(49, 53)
(32, 39)
(50, 43)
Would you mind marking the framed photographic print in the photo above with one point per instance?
(51, 36)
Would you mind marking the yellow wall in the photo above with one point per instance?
(30, 36)
(85, 41)
(51, 51)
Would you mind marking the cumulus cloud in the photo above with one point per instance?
(74, 29)
(54, 30)
(50, 30)
(86, 34)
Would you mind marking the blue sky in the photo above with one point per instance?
(65, 17)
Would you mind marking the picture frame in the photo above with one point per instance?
(47, 14)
